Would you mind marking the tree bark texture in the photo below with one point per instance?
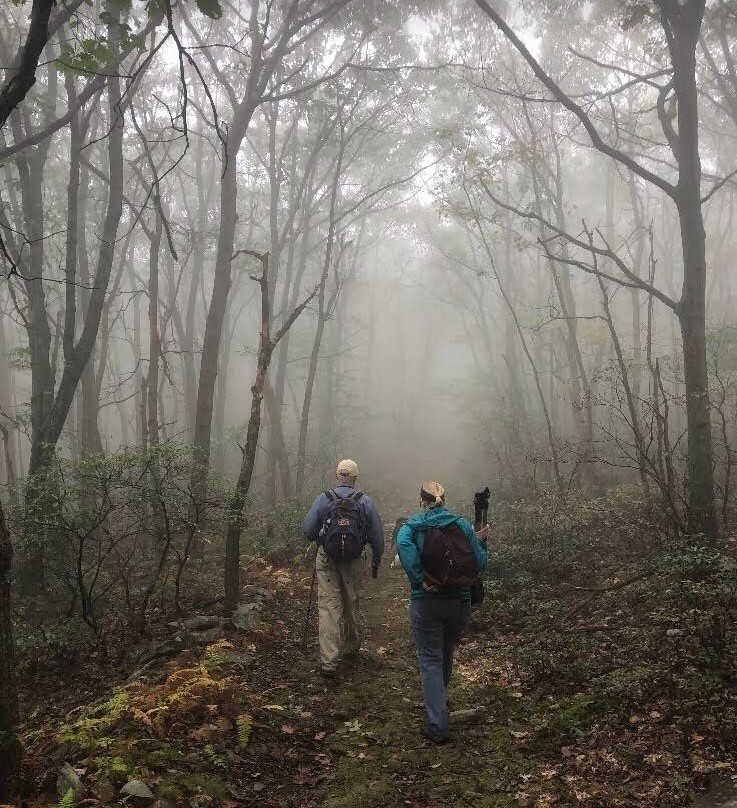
(23, 77)
(10, 747)
(684, 23)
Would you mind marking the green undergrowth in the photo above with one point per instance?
(603, 659)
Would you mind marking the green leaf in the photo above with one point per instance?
(210, 8)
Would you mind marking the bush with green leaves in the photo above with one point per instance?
(118, 529)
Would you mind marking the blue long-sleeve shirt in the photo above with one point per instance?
(320, 511)
(411, 539)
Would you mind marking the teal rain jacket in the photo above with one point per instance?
(411, 539)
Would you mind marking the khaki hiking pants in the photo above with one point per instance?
(338, 589)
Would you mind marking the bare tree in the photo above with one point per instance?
(266, 346)
(681, 24)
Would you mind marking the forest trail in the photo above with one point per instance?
(369, 748)
(244, 720)
(247, 720)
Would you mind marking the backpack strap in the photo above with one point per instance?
(355, 496)
(331, 495)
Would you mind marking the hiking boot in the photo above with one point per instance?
(349, 660)
(327, 673)
(438, 740)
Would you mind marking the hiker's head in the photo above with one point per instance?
(432, 495)
(347, 472)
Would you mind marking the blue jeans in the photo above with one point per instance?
(437, 625)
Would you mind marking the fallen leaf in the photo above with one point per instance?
(288, 729)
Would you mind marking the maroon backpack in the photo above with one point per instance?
(448, 558)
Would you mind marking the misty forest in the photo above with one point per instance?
(480, 242)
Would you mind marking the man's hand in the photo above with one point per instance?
(428, 587)
(483, 533)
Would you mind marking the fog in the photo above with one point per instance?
(493, 265)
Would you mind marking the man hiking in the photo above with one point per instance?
(442, 557)
(342, 521)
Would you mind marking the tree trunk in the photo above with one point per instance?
(218, 302)
(288, 300)
(317, 341)
(198, 263)
(23, 77)
(154, 337)
(10, 747)
(6, 413)
(632, 404)
(685, 22)
(49, 411)
(238, 501)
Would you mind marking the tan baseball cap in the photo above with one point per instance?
(347, 468)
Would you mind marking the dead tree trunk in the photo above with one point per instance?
(267, 343)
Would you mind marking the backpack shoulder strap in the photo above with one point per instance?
(355, 496)
(331, 495)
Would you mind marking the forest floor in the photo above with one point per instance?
(246, 721)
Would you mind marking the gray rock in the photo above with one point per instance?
(674, 632)
(168, 648)
(202, 621)
(251, 592)
(207, 637)
(67, 779)
(246, 617)
(243, 659)
(104, 790)
(137, 793)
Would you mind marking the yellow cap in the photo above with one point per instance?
(347, 468)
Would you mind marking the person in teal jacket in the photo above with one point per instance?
(438, 615)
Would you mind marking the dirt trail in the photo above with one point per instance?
(247, 722)
(375, 752)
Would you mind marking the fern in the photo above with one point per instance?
(244, 723)
(217, 761)
(67, 801)
(216, 655)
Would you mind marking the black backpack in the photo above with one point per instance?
(344, 531)
(448, 558)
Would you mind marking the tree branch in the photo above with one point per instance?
(566, 101)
